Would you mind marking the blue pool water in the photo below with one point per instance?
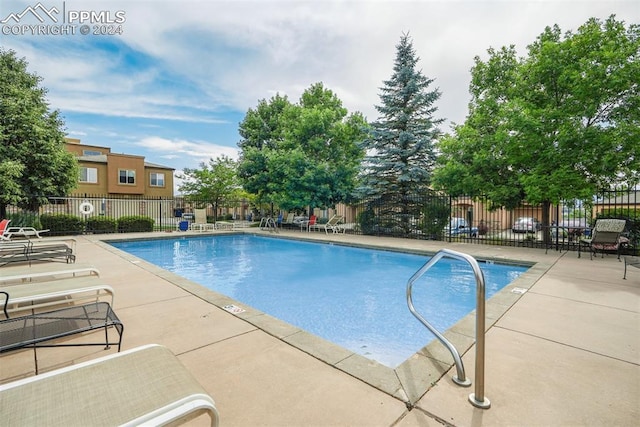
(350, 296)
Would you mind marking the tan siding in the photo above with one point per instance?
(166, 191)
(118, 162)
(108, 173)
(100, 187)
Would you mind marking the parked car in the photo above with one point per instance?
(571, 228)
(458, 227)
(526, 224)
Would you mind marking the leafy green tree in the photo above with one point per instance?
(401, 142)
(10, 173)
(216, 182)
(558, 124)
(301, 155)
(262, 132)
(32, 139)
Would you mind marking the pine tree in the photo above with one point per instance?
(401, 143)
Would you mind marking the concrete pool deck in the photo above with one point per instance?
(565, 352)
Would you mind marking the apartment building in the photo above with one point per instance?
(106, 173)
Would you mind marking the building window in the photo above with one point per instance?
(127, 176)
(156, 180)
(91, 153)
(88, 175)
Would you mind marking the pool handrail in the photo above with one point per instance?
(478, 398)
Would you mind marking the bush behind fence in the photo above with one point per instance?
(432, 215)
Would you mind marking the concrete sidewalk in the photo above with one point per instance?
(566, 352)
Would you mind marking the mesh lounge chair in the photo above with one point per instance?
(145, 385)
(606, 236)
(30, 250)
(13, 252)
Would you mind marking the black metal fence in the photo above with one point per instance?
(166, 213)
(437, 216)
(433, 216)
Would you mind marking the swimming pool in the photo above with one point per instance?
(351, 296)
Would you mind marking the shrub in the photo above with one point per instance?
(132, 224)
(25, 219)
(62, 224)
(435, 217)
(367, 221)
(101, 224)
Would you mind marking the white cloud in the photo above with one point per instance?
(196, 59)
(194, 151)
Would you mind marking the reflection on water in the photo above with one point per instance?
(353, 297)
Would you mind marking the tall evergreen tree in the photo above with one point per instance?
(401, 142)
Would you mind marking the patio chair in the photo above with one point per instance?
(13, 252)
(29, 250)
(348, 226)
(223, 225)
(200, 221)
(288, 222)
(145, 385)
(606, 236)
(310, 223)
(632, 261)
(23, 232)
(43, 272)
(333, 223)
(3, 228)
(46, 294)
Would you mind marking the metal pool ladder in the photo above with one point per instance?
(478, 398)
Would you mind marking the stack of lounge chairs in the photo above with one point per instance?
(25, 244)
(37, 250)
(143, 386)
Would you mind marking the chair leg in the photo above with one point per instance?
(625, 269)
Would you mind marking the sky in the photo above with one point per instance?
(172, 79)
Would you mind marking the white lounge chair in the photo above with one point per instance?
(44, 272)
(343, 228)
(39, 295)
(23, 233)
(333, 223)
(145, 385)
(200, 221)
(223, 225)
